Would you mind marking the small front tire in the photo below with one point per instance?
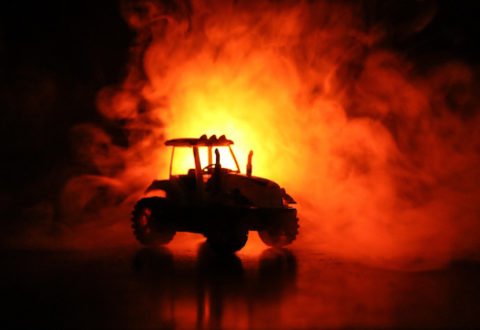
(280, 236)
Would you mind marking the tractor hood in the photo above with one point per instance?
(272, 184)
(159, 185)
(260, 191)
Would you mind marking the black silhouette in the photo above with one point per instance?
(218, 202)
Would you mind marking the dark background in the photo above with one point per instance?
(56, 55)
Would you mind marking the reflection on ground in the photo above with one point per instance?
(134, 288)
(217, 291)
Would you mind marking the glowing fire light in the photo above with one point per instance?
(379, 159)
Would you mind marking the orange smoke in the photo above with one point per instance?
(382, 161)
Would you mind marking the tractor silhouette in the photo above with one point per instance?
(218, 202)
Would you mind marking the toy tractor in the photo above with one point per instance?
(218, 202)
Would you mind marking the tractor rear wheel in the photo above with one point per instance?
(281, 235)
(149, 221)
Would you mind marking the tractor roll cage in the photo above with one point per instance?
(203, 141)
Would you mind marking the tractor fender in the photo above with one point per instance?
(287, 197)
(159, 185)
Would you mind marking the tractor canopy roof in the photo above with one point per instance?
(203, 141)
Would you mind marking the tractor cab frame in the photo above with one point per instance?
(195, 144)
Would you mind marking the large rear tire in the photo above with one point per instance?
(150, 223)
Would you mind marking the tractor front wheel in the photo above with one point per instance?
(280, 235)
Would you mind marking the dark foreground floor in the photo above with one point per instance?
(140, 288)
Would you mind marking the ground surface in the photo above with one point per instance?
(132, 287)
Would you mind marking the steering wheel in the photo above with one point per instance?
(207, 168)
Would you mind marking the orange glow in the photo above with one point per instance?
(379, 157)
